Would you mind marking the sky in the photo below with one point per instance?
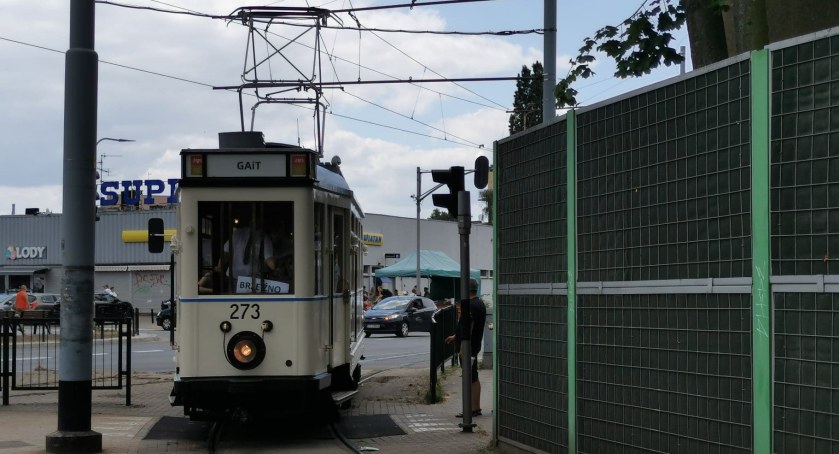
(157, 72)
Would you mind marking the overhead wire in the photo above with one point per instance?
(181, 79)
(497, 106)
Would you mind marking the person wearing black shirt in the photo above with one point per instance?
(478, 313)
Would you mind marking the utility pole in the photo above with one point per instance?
(74, 434)
(549, 82)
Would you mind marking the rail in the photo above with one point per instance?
(31, 344)
(443, 323)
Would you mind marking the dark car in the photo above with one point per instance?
(399, 315)
(164, 318)
(109, 306)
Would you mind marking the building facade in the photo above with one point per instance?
(32, 251)
(390, 238)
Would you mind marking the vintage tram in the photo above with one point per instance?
(268, 280)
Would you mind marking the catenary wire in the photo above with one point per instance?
(199, 14)
(181, 79)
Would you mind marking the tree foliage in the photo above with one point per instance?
(527, 101)
(485, 196)
(640, 44)
(440, 215)
(717, 29)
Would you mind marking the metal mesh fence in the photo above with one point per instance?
(533, 378)
(663, 182)
(664, 191)
(531, 207)
(664, 373)
(805, 158)
(806, 373)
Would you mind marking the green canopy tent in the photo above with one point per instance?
(443, 272)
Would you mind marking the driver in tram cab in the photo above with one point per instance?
(267, 257)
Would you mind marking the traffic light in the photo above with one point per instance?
(453, 178)
(155, 235)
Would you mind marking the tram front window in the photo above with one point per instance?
(251, 245)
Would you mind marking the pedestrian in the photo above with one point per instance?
(107, 290)
(414, 291)
(425, 292)
(21, 300)
(478, 313)
(113, 292)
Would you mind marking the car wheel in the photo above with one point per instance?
(403, 330)
(367, 334)
(166, 324)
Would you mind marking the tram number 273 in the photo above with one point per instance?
(243, 311)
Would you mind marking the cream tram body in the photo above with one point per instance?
(258, 342)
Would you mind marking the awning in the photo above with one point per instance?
(23, 269)
(120, 268)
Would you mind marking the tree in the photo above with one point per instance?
(439, 215)
(717, 29)
(527, 102)
(486, 197)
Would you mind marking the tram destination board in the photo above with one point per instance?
(247, 164)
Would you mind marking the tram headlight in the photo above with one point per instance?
(246, 350)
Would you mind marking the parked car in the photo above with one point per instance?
(399, 315)
(164, 317)
(37, 301)
(106, 305)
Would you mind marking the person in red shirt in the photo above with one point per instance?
(22, 300)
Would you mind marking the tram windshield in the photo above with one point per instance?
(246, 247)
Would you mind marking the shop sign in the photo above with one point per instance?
(25, 252)
(373, 239)
(110, 191)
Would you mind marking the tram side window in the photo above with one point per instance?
(318, 247)
(251, 246)
(339, 245)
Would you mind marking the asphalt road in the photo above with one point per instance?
(154, 353)
(381, 351)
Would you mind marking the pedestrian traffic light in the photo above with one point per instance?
(453, 178)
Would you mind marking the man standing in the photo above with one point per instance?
(475, 332)
(21, 300)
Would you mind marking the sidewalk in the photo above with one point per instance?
(32, 415)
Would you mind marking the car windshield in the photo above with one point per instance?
(392, 304)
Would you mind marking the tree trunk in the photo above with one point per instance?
(745, 26)
(791, 18)
(706, 32)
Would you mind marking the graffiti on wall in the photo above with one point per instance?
(150, 284)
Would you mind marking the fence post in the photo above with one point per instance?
(128, 369)
(761, 269)
(6, 331)
(571, 323)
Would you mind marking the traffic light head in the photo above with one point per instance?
(453, 178)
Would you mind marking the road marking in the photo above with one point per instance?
(147, 351)
(119, 426)
(429, 423)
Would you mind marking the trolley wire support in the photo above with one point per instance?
(296, 76)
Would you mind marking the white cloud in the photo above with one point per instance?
(165, 115)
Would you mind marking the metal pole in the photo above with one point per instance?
(464, 225)
(78, 223)
(549, 82)
(419, 194)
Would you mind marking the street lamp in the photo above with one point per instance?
(112, 139)
(100, 169)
